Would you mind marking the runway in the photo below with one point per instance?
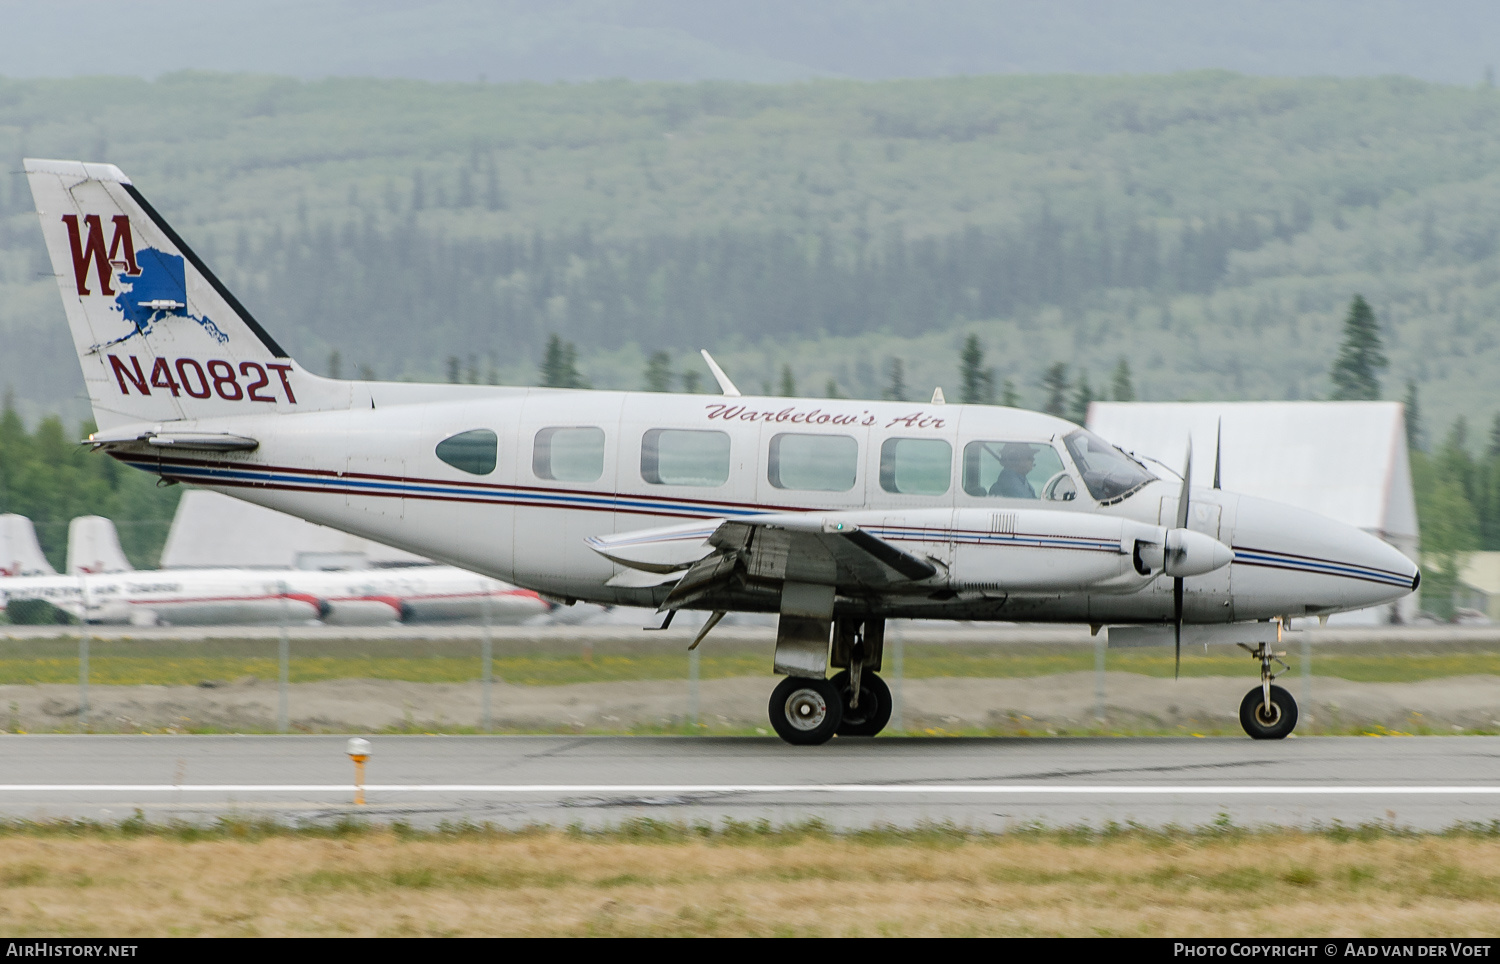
(1427, 783)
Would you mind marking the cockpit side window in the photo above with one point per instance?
(1009, 470)
(1109, 474)
(474, 451)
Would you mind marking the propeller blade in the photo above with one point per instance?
(1182, 520)
(1187, 482)
(1218, 448)
(1177, 624)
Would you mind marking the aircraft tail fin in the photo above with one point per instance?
(20, 553)
(94, 547)
(158, 335)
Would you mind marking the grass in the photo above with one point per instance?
(649, 878)
(173, 663)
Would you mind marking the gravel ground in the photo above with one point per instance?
(1064, 701)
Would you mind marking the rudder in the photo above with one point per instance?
(158, 335)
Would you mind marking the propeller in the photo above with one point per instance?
(1218, 448)
(1182, 520)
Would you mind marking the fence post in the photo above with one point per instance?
(487, 659)
(693, 690)
(1306, 673)
(83, 659)
(283, 658)
(898, 675)
(1100, 641)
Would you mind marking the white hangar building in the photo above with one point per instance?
(1343, 460)
(212, 530)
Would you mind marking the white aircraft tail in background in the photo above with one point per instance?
(20, 553)
(94, 547)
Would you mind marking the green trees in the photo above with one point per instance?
(1122, 384)
(1055, 385)
(48, 477)
(976, 382)
(559, 367)
(659, 372)
(895, 381)
(1356, 371)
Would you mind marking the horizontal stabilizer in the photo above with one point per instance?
(188, 441)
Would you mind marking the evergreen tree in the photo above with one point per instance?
(1055, 385)
(335, 364)
(1356, 372)
(1493, 449)
(1009, 397)
(690, 380)
(560, 365)
(977, 382)
(1454, 461)
(453, 369)
(895, 381)
(659, 372)
(788, 383)
(831, 390)
(1123, 387)
(1083, 397)
(1413, 417)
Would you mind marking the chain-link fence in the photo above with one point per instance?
(620, 679)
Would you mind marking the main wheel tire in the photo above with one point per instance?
(874, 710)
(1268, 723)
(805, 711)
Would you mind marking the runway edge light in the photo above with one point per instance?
(359, 751)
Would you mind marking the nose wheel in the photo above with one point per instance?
(806, 711)
(1268, 712)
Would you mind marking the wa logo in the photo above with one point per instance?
(148, 286)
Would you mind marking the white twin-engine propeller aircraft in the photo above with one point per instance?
(838, 515)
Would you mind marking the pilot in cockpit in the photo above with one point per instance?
(1016, 462)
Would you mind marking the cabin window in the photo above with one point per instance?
(683, 457)
(473, 451)
(916, 466)
(819, 463)
(568, 454)
(1110, 474)
(1009, 470)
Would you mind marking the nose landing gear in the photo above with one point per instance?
(1267, 712)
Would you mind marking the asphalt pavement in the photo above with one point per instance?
(1426, 783)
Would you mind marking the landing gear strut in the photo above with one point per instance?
(1267, 712)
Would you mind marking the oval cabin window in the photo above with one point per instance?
(473, 452)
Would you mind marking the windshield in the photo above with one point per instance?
(1110, 474)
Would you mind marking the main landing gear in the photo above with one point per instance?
(1267, 712)
(807, 710)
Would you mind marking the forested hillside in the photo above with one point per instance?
(1207, 227)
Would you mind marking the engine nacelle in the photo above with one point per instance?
(1190, 553)
(1040, 551)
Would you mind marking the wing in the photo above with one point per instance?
(824, 549)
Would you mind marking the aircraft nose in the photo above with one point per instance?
(1292, 561)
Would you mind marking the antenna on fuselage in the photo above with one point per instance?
(725, 385)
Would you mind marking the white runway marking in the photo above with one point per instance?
(851, 788)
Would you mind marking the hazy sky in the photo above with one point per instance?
(1451, 41)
